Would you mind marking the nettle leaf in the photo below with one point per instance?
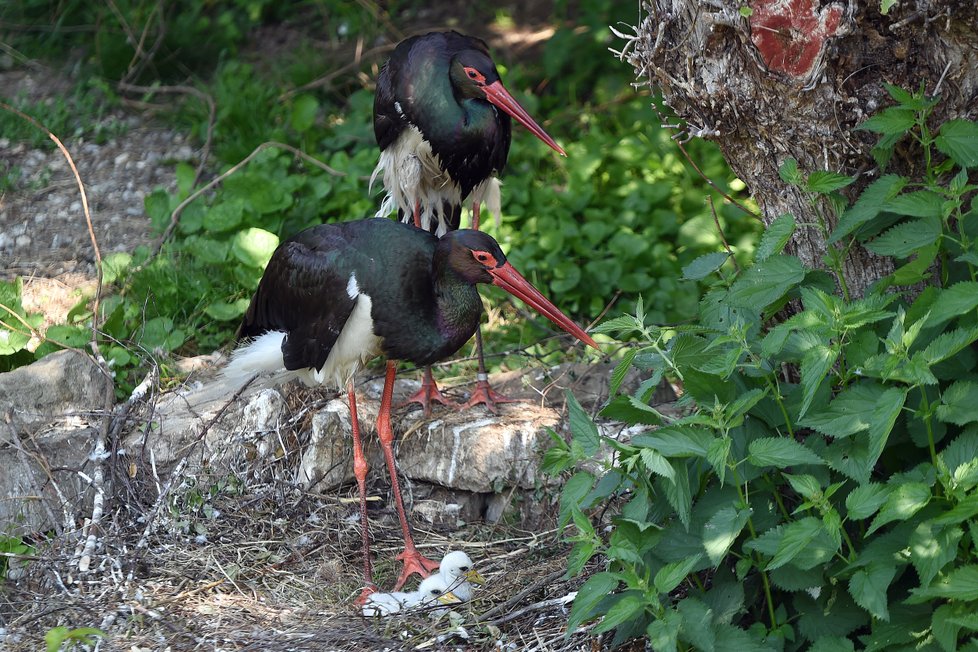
(815, 366)
(959, 140)
(704, 265)
(656, 463)
(823, 181)
(698, 623)
(678, 494)
(869, 204)
(629, 409)
(775, 237)
(627, 607)
(833, 643)
(766, 282)
(956, 300)
(672, 575)
(958, 404)
(788, 171)
(790, 578)
(806, 485)
(720, 532)
(677, 441)
(863, 501)
(962, 452)
(780, 452)
(959, 584)
(596, 589)
(621, 369)
(575, 489)
(907, 238)
(888, 408)
(903, 502)
(920, 203)
(794, 539)
(663, 632)
(868, 588)
(932, 548)
(848, 413)
(582, 427)
(892, 121)
(949, 344)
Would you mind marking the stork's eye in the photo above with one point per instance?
(475, 75)
(485, 258)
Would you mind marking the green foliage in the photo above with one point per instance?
(56, 638)
(14, 546)
(819, 489)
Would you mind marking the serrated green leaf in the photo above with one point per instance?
(591, 593)
(888, 408)
(917, 269)
(868, 588)
(254, 246)
(932, 548)
(224, 216)
(949, 344)
(815, 366)
(904, 501)
(863, 501)
(885, 6)
(582, 428)
(677, 441)
(891, 121)
(766, 282)
(958, 403)
(698, 623)
(678, 493)
(920, 203)
(869, 204)
(721, 530)
(579, 555)
(629, 409)
(717, 455)
(672, 575)
(907, 238)
(956, 300)
(573, 493)
(621, 369)
(788, 171)
(780, 452)
(775, 237)
(959, 140)
(833, 643)
(790, 578)
(848, 413)
(795, 537)
(806, 485)
(630, 606)
(822, 181)
(663, 632)
(704, 265)
(959, 584)
(656, 463)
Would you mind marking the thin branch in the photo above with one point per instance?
(723, 238)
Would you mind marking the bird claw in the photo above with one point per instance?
(486, 395)
(428, 394)
(414, 562)
(368, 590)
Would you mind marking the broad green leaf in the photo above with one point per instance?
(766, 282)
(918, 268)
(575, 489)
(903, 502)
(254, 246)
(885, 414)
(304, 110)
(848, 413)
(815, 366)
(920, 203)
(891, 121)
(790, 578)
(961, 452)
(115, 265)
(932, 548)
(959, 584)
(224, 216)
(663, 632)
(656, 463)
(677, 441)
(868, 588)
(672, 575)
(705, 265)
(863, 501)
(698, 623)
(720, 532)
(794, 539)
(953, 301)
(907, 238)
(717, 455)
(628, 607)
(629, 409)
(775, 237)
(832, 643)
(579, 555)
(621, 370)
(780, 452)
(822, 181)
(591, 593)
(959, 140)
(678, 493)
(735, 639)
(806, 485)
(959, 403)
(224, 311)
(582, 428)
(948, 344)
(788, 171)
(869, 204)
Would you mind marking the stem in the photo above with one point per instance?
(928, 425)
(750, 526)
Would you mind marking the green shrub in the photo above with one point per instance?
(819, 490)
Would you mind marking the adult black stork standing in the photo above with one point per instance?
(336, 295)
(443, 140)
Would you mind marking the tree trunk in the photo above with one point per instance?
(795, 78)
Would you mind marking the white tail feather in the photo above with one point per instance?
(261, 355)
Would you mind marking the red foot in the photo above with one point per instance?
(414, 562)
(485, 394)
(368, 590)
(428, 394)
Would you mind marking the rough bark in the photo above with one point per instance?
(794, 80)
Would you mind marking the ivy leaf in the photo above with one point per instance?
(869, 204)
(582, 428)
(720, 532)
(672, 575)
(959, 140)
(868, 588)
(780, 452)
(596, 589)
(906, 238)
(958, 404)
(704, 265)
(775, 237)
(863, 501)
(903, 502)
(956, 300)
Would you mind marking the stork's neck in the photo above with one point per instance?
(458, 307)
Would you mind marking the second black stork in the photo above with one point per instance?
(337, 295)
(442, 121)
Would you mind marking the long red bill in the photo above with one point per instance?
(498, 95)
(506, 277)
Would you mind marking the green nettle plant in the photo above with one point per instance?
(819, 490)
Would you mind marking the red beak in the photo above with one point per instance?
(506, 277)
(499, 96)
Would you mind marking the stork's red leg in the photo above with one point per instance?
(413, 561)
(475, 215)
(483, 393)
(360, 472)
(428, 394)
(417, 213)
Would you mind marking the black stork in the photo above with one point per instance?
(337, 295)
(442, 121)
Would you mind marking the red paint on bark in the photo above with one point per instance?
(790, 34)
